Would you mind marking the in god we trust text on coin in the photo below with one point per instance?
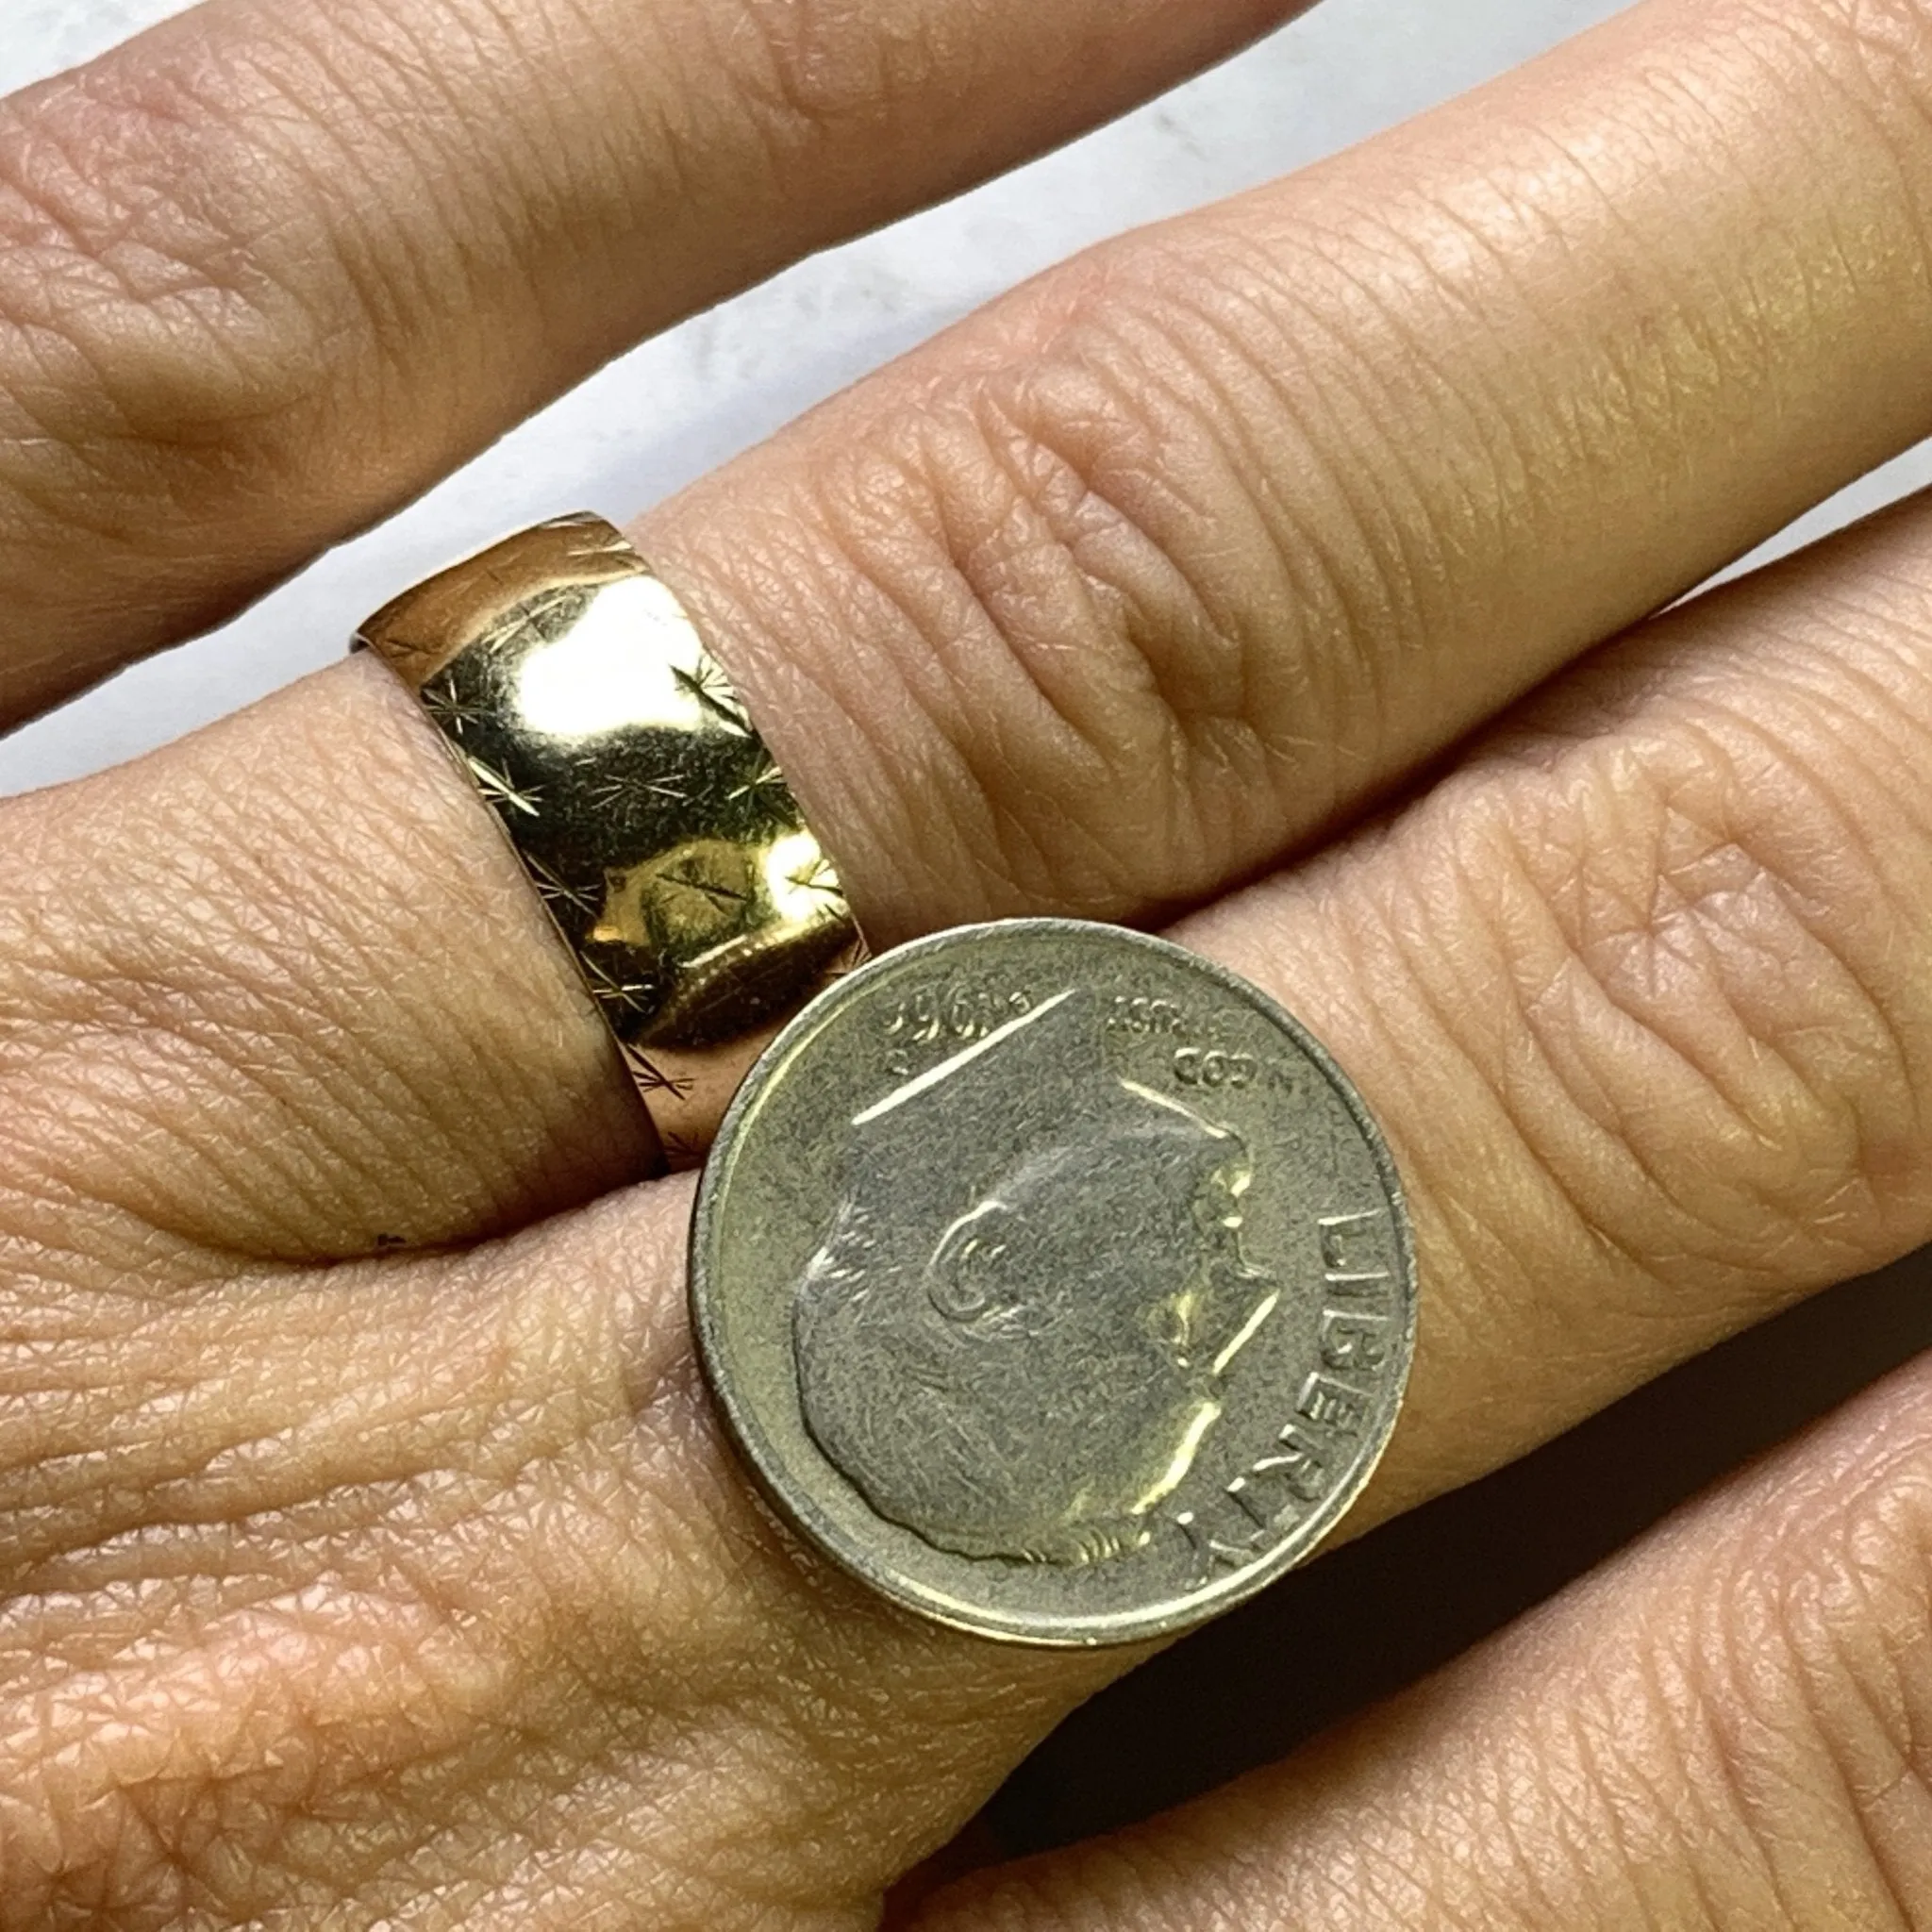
(1054, 1281)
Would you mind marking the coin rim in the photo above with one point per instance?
(1175, 1616)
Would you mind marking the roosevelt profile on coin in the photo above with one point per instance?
(1010, 1336)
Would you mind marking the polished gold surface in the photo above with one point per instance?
(570, 684)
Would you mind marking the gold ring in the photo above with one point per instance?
(570, 684)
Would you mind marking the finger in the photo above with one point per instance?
(281, 991)
(1636, 994)
(423, 1589)
(294, 950)
(269, 271)
(1637, 991)
(1169, 561)
(1723, 1727)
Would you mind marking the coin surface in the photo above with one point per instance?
(1055, 1281)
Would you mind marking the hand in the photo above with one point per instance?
(369, 1555)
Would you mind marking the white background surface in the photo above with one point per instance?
(684, 402)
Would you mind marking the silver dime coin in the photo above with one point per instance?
(1054, 1281)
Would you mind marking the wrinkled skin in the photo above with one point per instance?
(367, 1554)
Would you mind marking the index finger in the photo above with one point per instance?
(266, 272)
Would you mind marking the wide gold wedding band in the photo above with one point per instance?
(571, 685)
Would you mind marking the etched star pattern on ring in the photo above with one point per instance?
(501, 792)
(617, 792)
(558, 891)
(765, 781)
(816, 875)
(652, 1078)
(703, 681)
(614, 988)
(454, 714)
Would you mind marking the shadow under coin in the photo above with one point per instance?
(1384, 1611)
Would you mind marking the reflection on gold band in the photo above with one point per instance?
(570, 684)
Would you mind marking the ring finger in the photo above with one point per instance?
(1108, 598)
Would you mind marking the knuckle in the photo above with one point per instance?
(131, 303)
(1704, 939)
(1244, 411)
(1264, 459)
(1111, 633)
(822, 68)
(175, 300)
(959, 632)
(1815, 1655)
(1042, 609)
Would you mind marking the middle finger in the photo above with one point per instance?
(1169, 561)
